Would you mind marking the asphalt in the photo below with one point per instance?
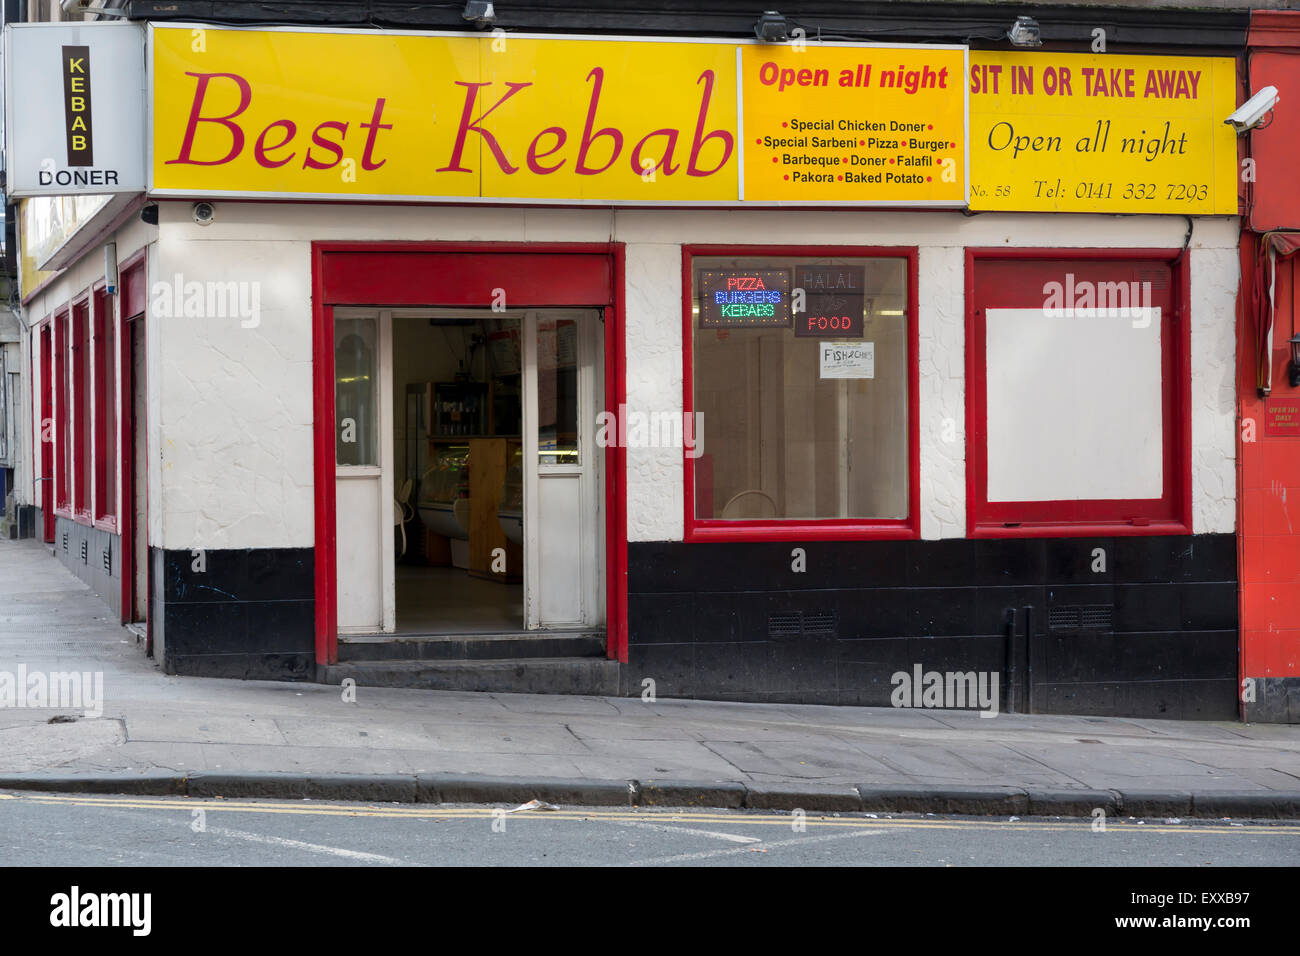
(161, 734)
(80, 830)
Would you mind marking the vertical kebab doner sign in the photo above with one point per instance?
(73, 108)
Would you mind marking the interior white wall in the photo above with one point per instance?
(234, 433)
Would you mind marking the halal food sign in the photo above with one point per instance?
(833, 301)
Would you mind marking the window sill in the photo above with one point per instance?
(717, 530)
(107, 523)
(1098, 529)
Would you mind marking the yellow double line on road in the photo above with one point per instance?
(644, 815)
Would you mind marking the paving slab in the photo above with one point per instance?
(777, 756)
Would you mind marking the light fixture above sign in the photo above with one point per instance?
(772, 27)
(1025, 33)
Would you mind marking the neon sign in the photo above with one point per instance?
(744, 298)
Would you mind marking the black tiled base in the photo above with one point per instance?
(713, 621)
(241, 613)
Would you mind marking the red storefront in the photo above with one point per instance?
(1269, 307)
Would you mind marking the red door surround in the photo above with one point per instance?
(514, 275)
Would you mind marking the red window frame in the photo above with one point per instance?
(1172, 512)
(82, 393)
(806, 529)
(62, 415)
(104, 352)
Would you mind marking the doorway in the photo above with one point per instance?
(46, 478)
(135, 571)
(468, 486)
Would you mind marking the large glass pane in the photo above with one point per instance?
(800, 376)
(355, 393)
(557, 391)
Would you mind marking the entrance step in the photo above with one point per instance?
(532, 675)
(471, 647)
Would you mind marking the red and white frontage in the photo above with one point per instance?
(242, 479)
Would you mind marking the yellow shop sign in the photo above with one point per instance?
(1075, 132)
(506, 118)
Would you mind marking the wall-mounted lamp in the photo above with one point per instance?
(772, 27)
(1293, 368)
(1025, 32)
(482, 13)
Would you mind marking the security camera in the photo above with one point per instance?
(204, 213)
(1251, 113)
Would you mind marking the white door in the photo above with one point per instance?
(563, 499)
(363, 482)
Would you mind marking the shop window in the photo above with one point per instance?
(800, 393)
(62, 414)
(81, 441)
(1077, 395)
(105, 409)
(356, 398)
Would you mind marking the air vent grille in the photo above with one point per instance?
(1081, 617)
(802, 624)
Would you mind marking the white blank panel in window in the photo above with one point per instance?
(1074, 405)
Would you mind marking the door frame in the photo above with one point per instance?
(383, 471)
(464, 274)
(591, 483)
(131, 309)
(45, 336)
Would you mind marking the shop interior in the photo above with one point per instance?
(458, 478)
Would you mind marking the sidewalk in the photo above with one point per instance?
(205, 737)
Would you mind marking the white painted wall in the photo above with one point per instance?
(131, 237)
(235, 403)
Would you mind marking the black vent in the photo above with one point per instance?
(1081, 617)
(785, 625)
(65, 541)
(85, 551)
(1063, 618)
(802, 624)
(108, 560)
(1096, 617)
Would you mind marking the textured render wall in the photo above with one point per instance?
(236, 430)
(942, 370)
(1215, 274)
(655, 476)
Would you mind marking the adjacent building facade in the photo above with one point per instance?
(668, 357)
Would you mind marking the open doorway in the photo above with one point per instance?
(458, 467)
(468, 483)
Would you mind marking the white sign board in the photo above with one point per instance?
(74, 108)
(1074, 404)
(848, 359)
